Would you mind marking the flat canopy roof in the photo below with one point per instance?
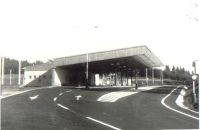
(134, 57)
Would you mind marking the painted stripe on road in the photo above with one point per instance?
(90, 118)
(163, 102)
(114, 96)
(103, 123)
(63, 106)
(60, 94)
(55, 99)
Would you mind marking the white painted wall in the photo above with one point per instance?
(60, 76)
(37, 78)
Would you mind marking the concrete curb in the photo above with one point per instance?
(180, 100)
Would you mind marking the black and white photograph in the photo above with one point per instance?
(99, 64)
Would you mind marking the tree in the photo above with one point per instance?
(177, 70)
(12, 64)
(167, 68)
(173, 69)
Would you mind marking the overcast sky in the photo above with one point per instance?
(43, 29)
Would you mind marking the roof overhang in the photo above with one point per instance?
(134, 57)
(140, 54)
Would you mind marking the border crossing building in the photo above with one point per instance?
(114, 67)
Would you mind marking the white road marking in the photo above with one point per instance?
(90, 118)
(180, 100)
(63, 106)
(163, 102)
(55, 99)
(34, 97)
(68, 91)
(79, 96)
(61, 94)
(114, 96)
(103, 123)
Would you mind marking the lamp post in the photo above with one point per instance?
(87, 81)
(194, 93)
(19, 76)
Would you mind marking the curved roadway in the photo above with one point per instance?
(63, 108)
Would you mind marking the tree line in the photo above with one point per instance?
(176, 73)
(12, 64)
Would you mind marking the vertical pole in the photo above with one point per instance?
(2, 75)
(131, 77)
(10, 76)
(19, 78)
(161, 76)
(136, 87)
(87, 70)
(121, 76)
(153, 76)
(146, 76)
(115, 75)
(127, 75)
(194, 93)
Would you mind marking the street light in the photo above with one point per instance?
(194, 93)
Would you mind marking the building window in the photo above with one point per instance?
(30, 76)
(44, 76)
(39, 80)
(66, 78)
(35, 76)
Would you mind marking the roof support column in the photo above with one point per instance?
(127, 76)
(115, 75)
(136, 86)
(147, 76)
(161, 76)
(131, 77)
(152, 76)
(121, 75)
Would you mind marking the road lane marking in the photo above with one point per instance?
(55, 99)
(103, 123)
(163, 102)
(60, 94)
(114, 96)
(180, 100)
(34, 97)
(79, 96)
(68, 91)
(90, 118)
(63, 106)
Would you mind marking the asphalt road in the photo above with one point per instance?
(64, 108)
